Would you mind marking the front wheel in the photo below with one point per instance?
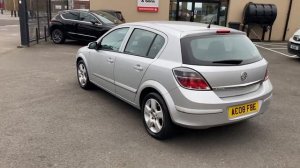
(82, 76)
(156, 117)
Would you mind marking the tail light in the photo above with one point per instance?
(223, 31)
(190, 79)
(266, 75)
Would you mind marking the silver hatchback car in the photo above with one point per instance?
(180, 73)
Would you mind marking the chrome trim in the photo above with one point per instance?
(82, 34)
(197, 111)
(125, 87)
(104, 78)
(235, 86)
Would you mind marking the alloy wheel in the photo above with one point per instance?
(153, 115)
(82, 74)
(57, 36)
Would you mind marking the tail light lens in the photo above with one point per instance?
(190, 79)
(223, 31)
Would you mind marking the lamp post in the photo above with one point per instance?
(24, 31)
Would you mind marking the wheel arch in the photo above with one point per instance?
(79, 57)
(56, 26)
(154, 86)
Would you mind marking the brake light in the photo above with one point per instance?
(266, 75)
(223, 31)
(190, 79)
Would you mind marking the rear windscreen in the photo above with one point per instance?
(219, 50)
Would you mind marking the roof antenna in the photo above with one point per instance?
(210, 22)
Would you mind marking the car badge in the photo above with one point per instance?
(244, 76)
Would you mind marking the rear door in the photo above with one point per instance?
(230, 63)
(141, 49)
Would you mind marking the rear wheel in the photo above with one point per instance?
(58, 36)
(82, 76)
(156, 117)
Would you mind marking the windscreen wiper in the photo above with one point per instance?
(236, 62)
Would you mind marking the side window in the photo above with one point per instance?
(84, 16)
(156, 46)
(114, 39)
(71, 15)
(140, 42)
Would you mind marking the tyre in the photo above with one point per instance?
(58, 36)
(82, 76)
(156, 117)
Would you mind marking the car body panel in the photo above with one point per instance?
(294, 44)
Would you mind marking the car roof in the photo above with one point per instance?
(180, 28)
(109, 10)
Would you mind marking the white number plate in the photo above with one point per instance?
(294, 47)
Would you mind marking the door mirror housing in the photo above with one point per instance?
(93, 22)
(93, 45)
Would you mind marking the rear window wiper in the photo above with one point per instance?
(236, 62)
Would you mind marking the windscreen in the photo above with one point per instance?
(219, 50)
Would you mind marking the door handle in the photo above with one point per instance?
(138, 67)
(110, 60)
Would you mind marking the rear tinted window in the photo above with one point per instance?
(140, 42)
(219, 50)
(71, 15)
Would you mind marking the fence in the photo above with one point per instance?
(35, 16)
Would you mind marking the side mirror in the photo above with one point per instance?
(93, 22)
(93, 45)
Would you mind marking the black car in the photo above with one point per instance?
(117, 14)
(80, 25)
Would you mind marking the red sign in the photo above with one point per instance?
(147, 9)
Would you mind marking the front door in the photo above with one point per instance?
(103, 60)
(202, 12)
(89, 28)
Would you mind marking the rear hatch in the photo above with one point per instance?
(230, 63)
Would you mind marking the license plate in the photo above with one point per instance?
(295, 47)
(241, 110)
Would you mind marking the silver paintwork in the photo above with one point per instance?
(126, 76)
(297, 33)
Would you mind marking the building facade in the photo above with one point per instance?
(220, 12)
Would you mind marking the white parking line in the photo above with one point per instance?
(286, 55)
(278, 48)
(269, 43)
(9, 26)
(273, 45)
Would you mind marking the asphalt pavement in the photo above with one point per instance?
(47, 120)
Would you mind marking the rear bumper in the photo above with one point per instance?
(212, 111)
(293, 51)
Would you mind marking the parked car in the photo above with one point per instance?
(117, 14)
(179, 73)
(294, 44)
(81, 25)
